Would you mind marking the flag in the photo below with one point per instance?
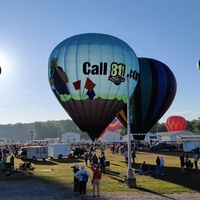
(77, 84)
(89, 85)
(91, 94)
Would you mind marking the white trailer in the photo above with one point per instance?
(37, 152)
(189, 142)
(190, 146)
(58, 150)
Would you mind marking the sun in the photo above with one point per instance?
(4, 64)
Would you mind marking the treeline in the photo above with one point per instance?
(39, 130)
(53, 129)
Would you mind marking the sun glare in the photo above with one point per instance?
(5, 65)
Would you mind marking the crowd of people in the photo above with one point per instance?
(4, 152)
(97, 164)
(187, 164)
(157, 169)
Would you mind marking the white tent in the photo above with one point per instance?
(110, 137)
(124, 138)
(70, 137)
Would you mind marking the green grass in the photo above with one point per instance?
(60, 172)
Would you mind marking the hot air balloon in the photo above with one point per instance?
(198, 65)
(88, 74)
(112, 127)
(176, 123)
(153, 95)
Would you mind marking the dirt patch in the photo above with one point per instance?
(34, 190)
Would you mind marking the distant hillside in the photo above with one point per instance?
(40, 130)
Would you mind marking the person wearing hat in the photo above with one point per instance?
(58, 80)
(82, 175)
(76, 180)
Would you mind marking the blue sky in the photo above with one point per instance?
(29, 30)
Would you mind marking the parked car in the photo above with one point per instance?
(77, 151)
(163, 146)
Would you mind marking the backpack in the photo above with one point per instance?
(85, 177)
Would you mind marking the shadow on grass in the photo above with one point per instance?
(54, 161)
(188, 179)
(171, 153)
(26, 184)
(115, 175)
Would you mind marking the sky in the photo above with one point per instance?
(29, 31)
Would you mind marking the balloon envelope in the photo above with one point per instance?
(153, 95)
(176, 123)
(198, 65)
(93, 87)
(114, 125)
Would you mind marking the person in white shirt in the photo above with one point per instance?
(82, 175)
(196, 158)
(162, 164)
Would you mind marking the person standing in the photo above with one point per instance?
(158, 169)
(133, 156)
(182, 160)
(102, 161)
(76, 180)
(126, 156)
(86, 157)
(96, 179)
(187, 162)
(90, 157)
(82, 175)
(12, 161)
(4, 161)
(94, 159)
(196, 158)
(162, 164)
(144, 167)
(158, 161)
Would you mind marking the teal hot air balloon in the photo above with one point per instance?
(88, 74)
(153, 96)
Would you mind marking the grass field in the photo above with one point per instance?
(58, 171)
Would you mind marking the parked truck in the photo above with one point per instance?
(34, 152)
(58, 150)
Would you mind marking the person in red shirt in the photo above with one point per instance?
(96, 179)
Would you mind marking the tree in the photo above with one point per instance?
(196, 126)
